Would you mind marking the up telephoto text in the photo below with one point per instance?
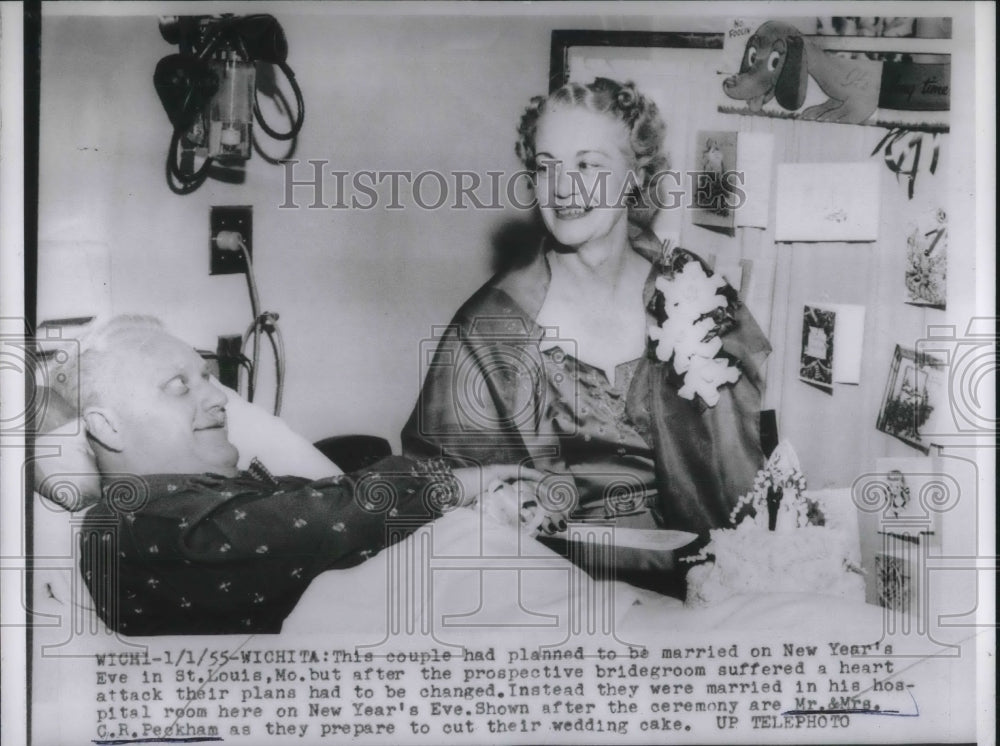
(251, 694)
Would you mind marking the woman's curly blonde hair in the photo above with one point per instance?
(622, 101)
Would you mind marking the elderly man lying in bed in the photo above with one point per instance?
(184, 543)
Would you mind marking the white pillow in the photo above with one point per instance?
(66, 470)
(256, 433)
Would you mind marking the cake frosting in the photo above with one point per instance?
(802, 554)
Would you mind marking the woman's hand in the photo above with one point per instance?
(552, 521)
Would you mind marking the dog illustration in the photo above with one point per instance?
(777, 63)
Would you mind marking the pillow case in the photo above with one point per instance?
(257, 433)
(66, 470)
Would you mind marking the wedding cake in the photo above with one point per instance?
(802, 553)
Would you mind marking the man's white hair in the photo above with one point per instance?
(89, 376)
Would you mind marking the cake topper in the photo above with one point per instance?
(778, 489)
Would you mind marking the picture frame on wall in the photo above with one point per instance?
(913, 392)
(571, 46)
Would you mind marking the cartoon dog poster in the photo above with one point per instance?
(876, 71)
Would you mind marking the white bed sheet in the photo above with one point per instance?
(464, 573)
(519, 582)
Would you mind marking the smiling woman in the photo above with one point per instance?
(619, 134)
(581, 179)
(550, 362)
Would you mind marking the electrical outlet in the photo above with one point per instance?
(237, 218)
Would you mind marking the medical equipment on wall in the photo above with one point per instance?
(209, 90)
(263, 323)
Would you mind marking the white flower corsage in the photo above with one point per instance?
(688, 337)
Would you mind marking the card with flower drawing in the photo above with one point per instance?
(927, 260)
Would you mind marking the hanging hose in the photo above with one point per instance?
(300, 104)
(180, 182)
(266, 323)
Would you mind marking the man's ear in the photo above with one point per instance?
(102, 426)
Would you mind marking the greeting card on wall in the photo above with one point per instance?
(914, 391)
(832, 337)
(817, 347)
(885, 72)
(912, 493)
(927, 260)
(915, 493)
(716, 191)
(827, 202)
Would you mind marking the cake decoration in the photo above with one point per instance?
(782, 544)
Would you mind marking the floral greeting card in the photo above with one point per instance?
(927, 260)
